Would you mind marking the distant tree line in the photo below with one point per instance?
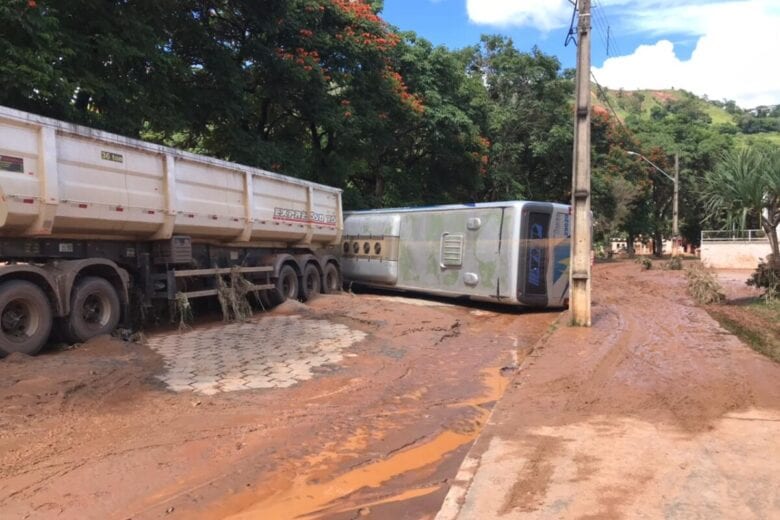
(326, 90)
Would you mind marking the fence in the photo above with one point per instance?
(746, 235)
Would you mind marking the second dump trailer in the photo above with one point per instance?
(514, 253)
(95, 225)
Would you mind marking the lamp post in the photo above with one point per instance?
(675, 202)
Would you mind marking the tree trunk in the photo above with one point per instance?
(771, 233)
(379, 188)
(630, 245)
(658, 243)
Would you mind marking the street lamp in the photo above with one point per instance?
(676, 181)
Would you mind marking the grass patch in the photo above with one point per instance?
(756, 324)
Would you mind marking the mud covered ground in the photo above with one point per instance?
(373, 426)
(368, 406)
(654, 412)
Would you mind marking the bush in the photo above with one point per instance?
(646, 263)
(767, 277)
(675, 264)
(703, 287)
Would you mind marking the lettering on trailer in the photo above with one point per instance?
(111, 156)
(304, 217)
(11, 164)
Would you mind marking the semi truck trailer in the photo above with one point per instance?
(512, 253)
(96, 227)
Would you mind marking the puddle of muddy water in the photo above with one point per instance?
(307, 496)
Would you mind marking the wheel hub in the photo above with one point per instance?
(15, 320)
(92, 311)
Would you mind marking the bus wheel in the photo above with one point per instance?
(25, 318)
(94, 309)
(312, 283)
(331, 279)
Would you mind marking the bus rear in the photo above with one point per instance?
(545, 235)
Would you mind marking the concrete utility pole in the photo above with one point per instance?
(675, 207)
(579, 271)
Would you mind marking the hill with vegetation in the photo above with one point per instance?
(749, 126)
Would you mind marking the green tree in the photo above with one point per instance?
(619, 184)
(529, 124)
(111, 68)
(745, 183)
(678, 125)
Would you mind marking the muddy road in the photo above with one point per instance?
(654, 412)
(352, 405)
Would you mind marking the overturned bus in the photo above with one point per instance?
(513, 253)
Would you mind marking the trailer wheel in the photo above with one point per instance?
(312, 283)
(286, 285)
(25, 318)
(267, 300)
(94, 309)
(331, 279)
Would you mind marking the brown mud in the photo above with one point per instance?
(92, 433)
(654, 412)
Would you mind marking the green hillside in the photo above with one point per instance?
(734, 119)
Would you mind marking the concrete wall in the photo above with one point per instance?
(734, 255)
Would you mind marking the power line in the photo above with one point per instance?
(598, 26)
(605, 97)
(603, 23)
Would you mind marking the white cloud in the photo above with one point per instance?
(542, 14)
(736, 55)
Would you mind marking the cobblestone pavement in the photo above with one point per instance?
(270, 352)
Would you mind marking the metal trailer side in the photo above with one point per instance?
(94, 225)
(513, 253)
(64, 180)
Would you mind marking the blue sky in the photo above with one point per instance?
(725, 49)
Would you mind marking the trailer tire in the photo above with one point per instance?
(331, 279)
(286, 285)
(25, 318)
(94, 309)
(312, 282)
(267, 300)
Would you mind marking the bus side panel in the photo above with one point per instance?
(369, 251)
(451, 252)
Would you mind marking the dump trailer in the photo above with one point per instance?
(96, 228)
(513, 253)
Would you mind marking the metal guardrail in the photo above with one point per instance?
(746, 235)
